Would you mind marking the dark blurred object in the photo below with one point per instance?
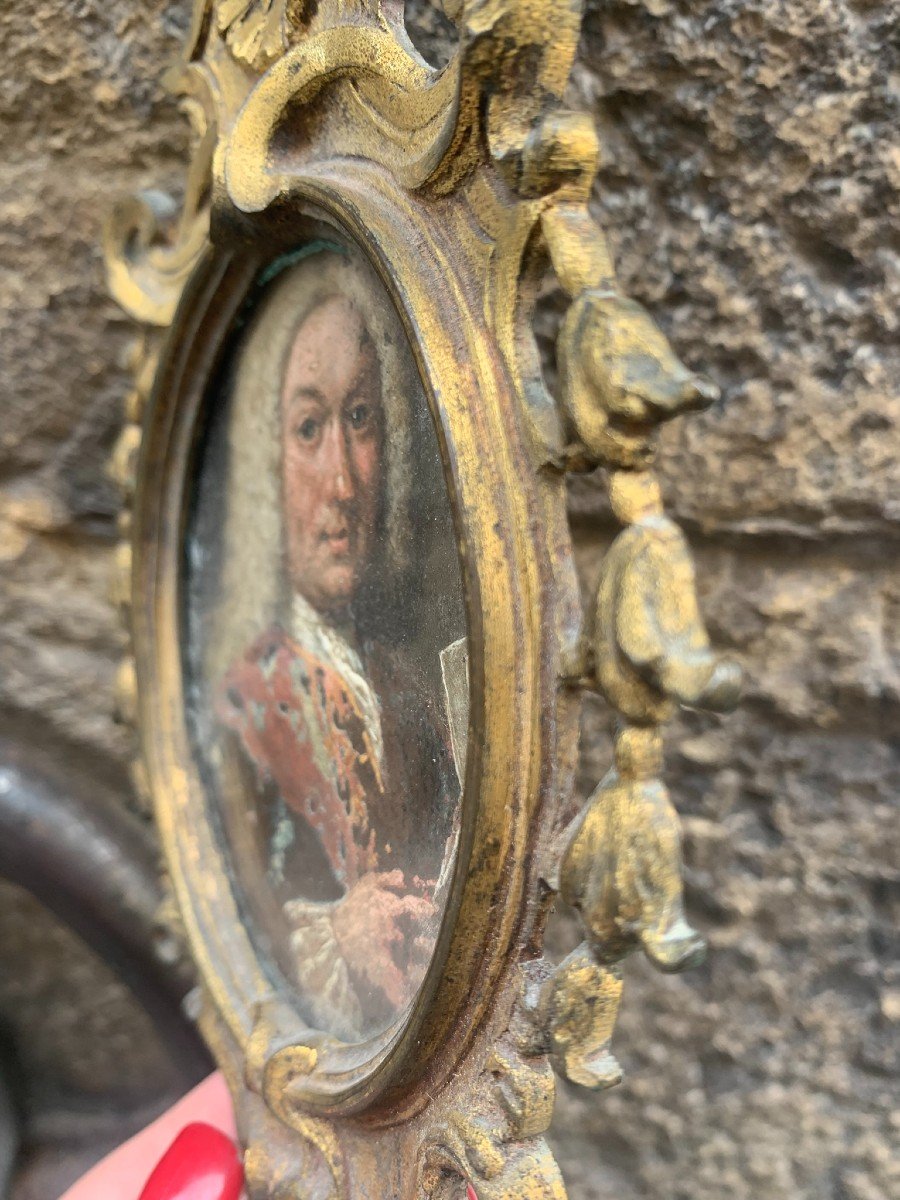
(91, 988)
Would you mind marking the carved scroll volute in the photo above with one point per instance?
(428, 127)
(494, 1140)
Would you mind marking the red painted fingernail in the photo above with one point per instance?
(471, 1194)
(201, 1164)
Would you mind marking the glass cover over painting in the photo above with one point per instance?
(324, 641)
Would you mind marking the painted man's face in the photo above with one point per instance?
(331, 430)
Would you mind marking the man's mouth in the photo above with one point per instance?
(337, 540)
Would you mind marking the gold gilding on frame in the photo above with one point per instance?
(459, 183)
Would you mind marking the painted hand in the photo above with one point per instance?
(378, 927)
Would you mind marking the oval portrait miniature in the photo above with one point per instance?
(324, 642)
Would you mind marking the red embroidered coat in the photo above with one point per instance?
(317, 773)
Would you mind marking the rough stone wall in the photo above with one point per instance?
(82, 120)
(750, 191)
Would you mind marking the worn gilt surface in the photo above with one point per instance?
(484, 164)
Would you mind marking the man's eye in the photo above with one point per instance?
(308, 429)
(360, 415)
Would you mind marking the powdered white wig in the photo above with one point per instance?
(252, 574)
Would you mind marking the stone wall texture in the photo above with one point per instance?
(751, 192)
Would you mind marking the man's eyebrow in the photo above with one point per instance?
(361, 388)
(306, 393)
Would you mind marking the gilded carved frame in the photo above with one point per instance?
(460, 185)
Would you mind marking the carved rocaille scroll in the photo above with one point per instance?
(469, 178)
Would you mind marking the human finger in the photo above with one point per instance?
(124, 1173)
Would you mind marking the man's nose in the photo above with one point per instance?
(338, 462)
